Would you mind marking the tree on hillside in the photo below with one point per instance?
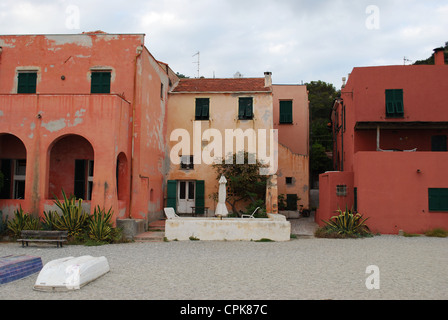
(321, 97)
(430, 60)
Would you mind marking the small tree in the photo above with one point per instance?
(244, 182)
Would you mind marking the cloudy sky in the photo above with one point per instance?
(297, 40)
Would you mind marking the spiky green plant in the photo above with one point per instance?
(100, 226)
(348, 223)
(49, 219)
(3, 224)
(22, 221)
(73, 218)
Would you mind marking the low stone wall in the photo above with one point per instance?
(275, 228)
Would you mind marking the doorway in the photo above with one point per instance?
(186, 196)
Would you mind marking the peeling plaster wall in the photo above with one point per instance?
(223, 115)
(63, 106)
(149, 138)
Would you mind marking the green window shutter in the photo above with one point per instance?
(399, 109)
(394, 103)
(172, 194)
(241, 110)
(245, 109)
(100, 82)
(27, 82)
(438, 199)
(202, 109)
(200, 196)
(390, 108)
(286, 112)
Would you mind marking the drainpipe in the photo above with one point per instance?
(139, 53)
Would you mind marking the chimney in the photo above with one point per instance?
(439, 56)
(268, 79)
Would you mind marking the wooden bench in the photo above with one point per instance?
(43, 236)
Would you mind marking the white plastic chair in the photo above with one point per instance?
(252, 215)
(170, 213)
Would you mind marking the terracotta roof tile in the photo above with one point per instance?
(222, 85)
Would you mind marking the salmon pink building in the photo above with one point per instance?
(84, 114)
(390, 129)
(92, 115)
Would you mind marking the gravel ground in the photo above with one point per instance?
(304, 268)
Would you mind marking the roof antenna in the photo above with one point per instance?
(198, 62)
(406, 60)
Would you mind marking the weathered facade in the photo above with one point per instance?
(94, 115)
(85, 114)
(291, 119)
(390, 127)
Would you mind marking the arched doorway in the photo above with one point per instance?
(71, 167)
(12, 167)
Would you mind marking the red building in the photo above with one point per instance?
(390, 130)
(83, 113)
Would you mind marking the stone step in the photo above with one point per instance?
(150, 236)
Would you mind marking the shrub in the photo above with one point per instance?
(100, 226)
(73, 219)
(345, 224)
(3, 224)
(22, 221)
(438, 232)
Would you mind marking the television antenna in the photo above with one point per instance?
(199, 61)
(406, 60)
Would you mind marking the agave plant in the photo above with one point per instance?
(73, 218)
(348, 223)
(100, 227)
(22, 221)
(3, 224)
(49, 220)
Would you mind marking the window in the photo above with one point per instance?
(202, 109)
(286, 112)
(341, 190)
(83, 179)
(27, 82)
(19, 179)
(161, 91)
(186, 162)
(245, 110)
(100, 82)
(438, 199)
(288, 180)
(394, 103)
(438, 143)
(14, 174)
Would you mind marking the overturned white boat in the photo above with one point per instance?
(70, 273)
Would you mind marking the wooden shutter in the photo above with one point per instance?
(399, 109)
(241, 110)
(100, 82)
(27, 82)
(390, 108)
(245, 109)
(286, 112)
(172, 195)
(202, 109)
(438, 199)
(200, 197)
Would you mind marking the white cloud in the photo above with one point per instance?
(295, 39)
